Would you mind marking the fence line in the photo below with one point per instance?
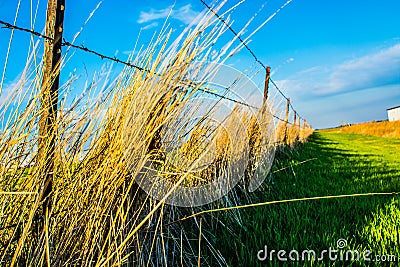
(247, 48)
(191, 83)
(235, 33)
(290, 103)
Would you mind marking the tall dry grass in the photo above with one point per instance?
(99, 215)
(291, 134)
(390, 129)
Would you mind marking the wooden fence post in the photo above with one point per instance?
(295, 130)
(266, 85)
(287, 110)
(49, 97)
(286, 120)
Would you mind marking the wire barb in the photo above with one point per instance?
(14, 27)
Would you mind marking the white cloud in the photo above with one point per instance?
(5, 93)
(377, 69)
(151, 25)
(373, 70)
(11, 88)
(184, 14)
(352, 107)
(353, 91)
(153, 14)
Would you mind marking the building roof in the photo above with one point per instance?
(393, 108)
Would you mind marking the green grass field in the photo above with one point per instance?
(337, 164)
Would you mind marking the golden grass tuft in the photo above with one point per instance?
(290, 134)
(390, 129)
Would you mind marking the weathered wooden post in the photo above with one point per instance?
(49, 97)
(286, 121)
(254, 134)
(287, 110)
(266, 85)
(298, 126)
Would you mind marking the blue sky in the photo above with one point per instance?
(339, 61)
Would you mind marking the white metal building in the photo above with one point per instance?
(394, 113)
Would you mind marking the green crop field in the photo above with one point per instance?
(329, 164)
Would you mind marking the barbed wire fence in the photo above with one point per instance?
(257, 60)
(61, 42)
(296, 119)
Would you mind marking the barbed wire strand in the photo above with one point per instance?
(10, 26)
(247, 48)
(115, 59)
(235, 33)
(290, 102)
